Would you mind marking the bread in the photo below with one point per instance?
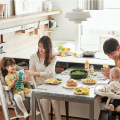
(71, 83)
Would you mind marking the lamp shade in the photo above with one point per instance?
(78, 15)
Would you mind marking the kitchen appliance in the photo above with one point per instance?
(78, 76)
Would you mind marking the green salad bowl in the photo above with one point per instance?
(78, 74)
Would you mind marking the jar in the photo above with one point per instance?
(91, 69)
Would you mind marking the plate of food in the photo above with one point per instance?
(81, 91)
(53, 81)
(71, 84)
(62, 49)
(89, 81)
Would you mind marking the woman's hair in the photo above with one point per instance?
(7, 62)
(47, 45)
(110, 45)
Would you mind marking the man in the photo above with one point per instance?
(112, 50)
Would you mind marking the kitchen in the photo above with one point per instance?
(102, 25)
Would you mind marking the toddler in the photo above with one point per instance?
(11, 78)
(114, 86)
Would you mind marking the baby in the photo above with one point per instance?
(114, 86)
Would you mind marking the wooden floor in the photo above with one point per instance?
(12, 114)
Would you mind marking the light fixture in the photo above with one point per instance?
(77, 16)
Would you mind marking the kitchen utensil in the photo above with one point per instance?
(78, 76)
(89, 53)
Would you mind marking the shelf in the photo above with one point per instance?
(3, 55)
(3, 44)
(21, 19)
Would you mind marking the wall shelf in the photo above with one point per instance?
(14, 20)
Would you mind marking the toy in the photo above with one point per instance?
(19, 82)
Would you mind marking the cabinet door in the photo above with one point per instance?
(111, 4)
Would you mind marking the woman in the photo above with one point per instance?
(42, 65)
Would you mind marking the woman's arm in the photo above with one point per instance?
(47, 72)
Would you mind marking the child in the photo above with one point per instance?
(114, 86)
(9, 71)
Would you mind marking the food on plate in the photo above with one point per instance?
(63, 55)
(61, 48)
(71, 83)
(78, 72)
(89, 80)
(55, 82)
(105, 66)
(50, 80)
(74, 54)
(78, 91)
(57, 79)
(81, 90)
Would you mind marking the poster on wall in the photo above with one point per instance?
(27, 6)
(23, 6)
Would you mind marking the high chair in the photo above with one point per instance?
(26, 101)
(105, 114)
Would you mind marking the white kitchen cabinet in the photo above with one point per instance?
(111, 4)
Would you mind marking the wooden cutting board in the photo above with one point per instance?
(68, 54)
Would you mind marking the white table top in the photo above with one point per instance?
(100, 58)
(58, 90)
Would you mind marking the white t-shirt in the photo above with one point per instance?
(113, 86)
(37, 65)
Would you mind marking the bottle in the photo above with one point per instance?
(47, 9)
(91, 69)
(87, 65)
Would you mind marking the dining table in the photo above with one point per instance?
(62, 93)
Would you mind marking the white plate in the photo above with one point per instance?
(88, 82)
(65, 86)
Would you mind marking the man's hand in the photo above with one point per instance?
(105, 72)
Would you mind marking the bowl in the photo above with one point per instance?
(64, 51)
(78, 76)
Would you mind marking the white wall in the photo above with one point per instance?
(99, 24)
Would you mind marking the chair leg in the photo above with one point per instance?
(51, 112)
(27, 118)
(67, 110)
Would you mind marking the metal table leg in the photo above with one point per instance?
(33, 107)
(41, 110)
(91, 110)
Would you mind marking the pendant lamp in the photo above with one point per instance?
(77, 16)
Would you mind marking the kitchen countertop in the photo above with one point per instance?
(99, 59)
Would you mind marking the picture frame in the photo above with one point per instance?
(23, 6)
